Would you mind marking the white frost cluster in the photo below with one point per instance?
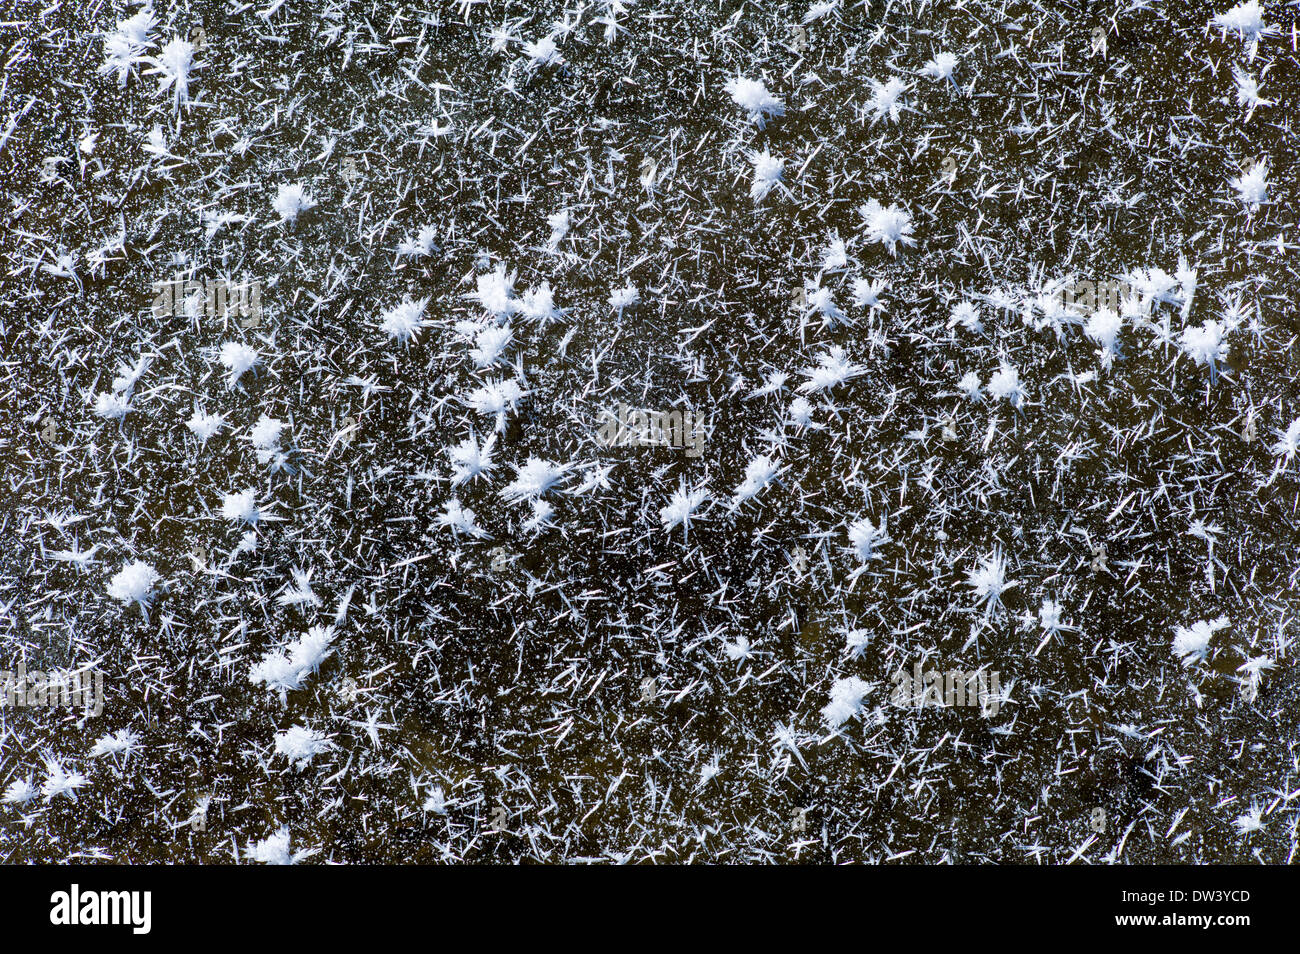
(285, 670)
(753, 97)
(134, 584)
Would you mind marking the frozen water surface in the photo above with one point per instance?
(980, 317)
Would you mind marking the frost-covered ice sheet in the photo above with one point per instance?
(335, 336)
